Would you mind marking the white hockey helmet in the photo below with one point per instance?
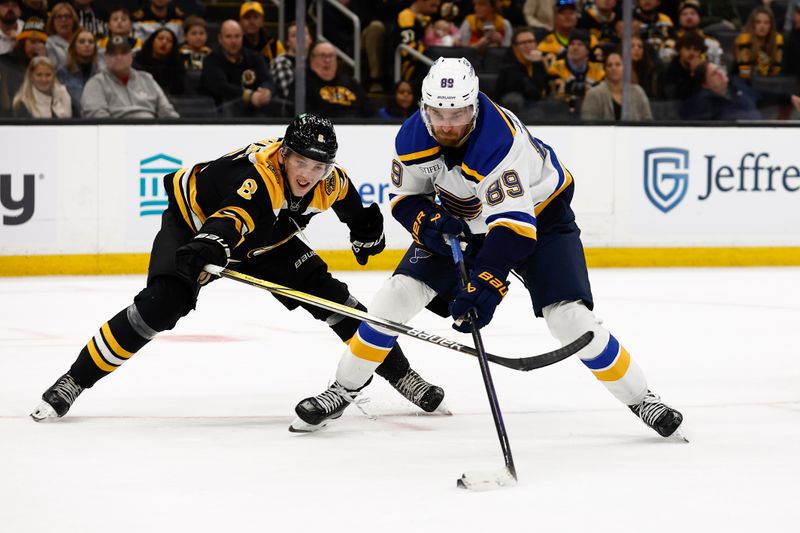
(451, 83)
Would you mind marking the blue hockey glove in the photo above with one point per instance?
(484, 291)
(367, 239)
(432, 224)
(204, 249)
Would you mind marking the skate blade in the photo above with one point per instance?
(442, 410)
(300, 426)
(44, 412)
(485, 480)
(679, 435)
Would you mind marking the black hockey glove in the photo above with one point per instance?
(432, 224)
(367, 239)
(484, 291)
(204, 249)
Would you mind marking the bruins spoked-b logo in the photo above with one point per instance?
(248, 77)
(666, 176)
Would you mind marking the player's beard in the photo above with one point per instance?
(453, 138)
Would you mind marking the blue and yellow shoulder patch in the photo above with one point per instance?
(490, 142)
(413, 143)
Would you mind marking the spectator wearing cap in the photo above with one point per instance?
(91, 18)
(158, 14)
(689, 21)
(237, 77)
(61, 27)
(41, 95)
(604, 101)
(792, 57)
(160, 57)
(10, 24)
(600, 20)
(522, 78)
(256, 37)
(122, 91)
(30, 43)
(194, 50)
(331, 93)
(539, 14)
(81, 65)
(486, 27)
(120, 24)
(759, 48)
(678, 78)
(282, 68)
(655, 28)
(554, 45)
(575, 74)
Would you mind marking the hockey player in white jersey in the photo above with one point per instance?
(465, 166)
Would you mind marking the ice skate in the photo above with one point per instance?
(57, 400)
(318, 411)
(662, 418)
(419, 392)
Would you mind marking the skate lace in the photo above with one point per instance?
(336, 393)
(412, 386)
(651, 408)
(68, 389)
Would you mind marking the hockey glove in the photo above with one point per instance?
(432, 224)
(484, 291)
(204, 249)
(367, 239)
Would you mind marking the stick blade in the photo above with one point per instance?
(485, 480)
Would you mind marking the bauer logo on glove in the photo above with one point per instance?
(482, 293)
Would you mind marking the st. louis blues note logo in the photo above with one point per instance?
(419, 253)
(666, 176)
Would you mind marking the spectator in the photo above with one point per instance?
(194, 50)
(256, 38)
(721, 13)
(160, 57)
(792, 59)
(91, 18)
(522, 77)
(120, 25)
(330, 93)
(444, 31)
(512, 10)
(41, 94)
(410, 31)
(81, 65)
(604, 102)
(719, 97)
(122, 91)
(759, 48)
(400, 104)
(600, 20)
(10, 24)
(655, 28)
(646, 70)
(539, 14)
(486, 27)
(236, 77)
(575, 74)
(689, 21)
(34, 9)
(554, 45)
(61, 27)
(282, 69)
(678, 78)
(158, 14)
(13, 65)
(792, 9)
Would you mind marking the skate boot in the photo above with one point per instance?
(316, 412)
(662, 418)
(418, 391)
(57, 400)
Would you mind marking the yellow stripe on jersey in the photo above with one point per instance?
(98, 359)
(419, 155)
(244, 222)
(519, 229)
(179, 199)
(193, 196)
(505, 119)
(473, 173)
(118, 350)
(618, 369)
(368, 352)
(539, 208)
(396, 200)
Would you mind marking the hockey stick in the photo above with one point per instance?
(523, 364)
(483, 480)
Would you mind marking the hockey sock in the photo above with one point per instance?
(620, 374)
(113, 344)
(368, 348)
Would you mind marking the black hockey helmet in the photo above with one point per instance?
(312, 136)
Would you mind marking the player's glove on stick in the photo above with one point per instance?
(367, 239)
(204, 249)
(483, 292)
(432, 224)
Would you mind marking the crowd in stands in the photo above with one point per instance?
(543, 59)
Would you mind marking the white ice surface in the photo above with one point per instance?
(191, 434)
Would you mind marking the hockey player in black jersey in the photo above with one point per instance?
(245, 208)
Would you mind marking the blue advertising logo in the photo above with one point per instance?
(666, 176)
(152, 196)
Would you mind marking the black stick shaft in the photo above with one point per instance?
(499, 425)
